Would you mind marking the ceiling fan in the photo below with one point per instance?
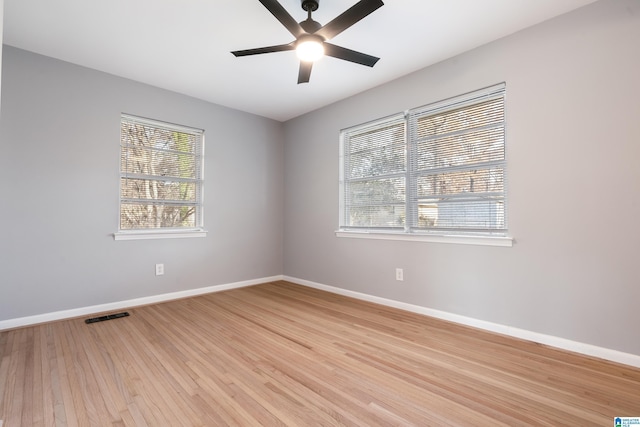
(311, 41)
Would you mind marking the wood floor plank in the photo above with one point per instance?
(69, 387)
(14, 389)
(40, 381)
(280, 354)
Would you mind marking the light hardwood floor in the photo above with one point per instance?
(281, 354)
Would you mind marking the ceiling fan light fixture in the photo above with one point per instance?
(309, 49)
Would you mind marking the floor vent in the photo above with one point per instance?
(107, 317)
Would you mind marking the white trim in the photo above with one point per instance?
(557, 342)
(160, 124)
(430, 238)
(83, 311)
(155, 234)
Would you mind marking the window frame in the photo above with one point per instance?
(384, 122)
(165, 232)
(411, 231)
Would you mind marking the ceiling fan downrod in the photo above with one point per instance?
(309, 25)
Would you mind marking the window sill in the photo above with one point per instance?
(461, 240)
(155, 234)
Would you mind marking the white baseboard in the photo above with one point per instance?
(561, 343)
(83, 311)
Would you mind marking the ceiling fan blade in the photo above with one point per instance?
(304, 74)
(348, 18)
(268, 49)
(283, 16)
(349, 55)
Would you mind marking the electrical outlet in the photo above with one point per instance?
(159, 269)
(399, 274)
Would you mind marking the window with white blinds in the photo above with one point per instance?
(375, 174)
(437, 169)
(160, 176)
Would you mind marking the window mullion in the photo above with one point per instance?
(411, 184)
(159, 178)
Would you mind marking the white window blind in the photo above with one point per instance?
(374, 167)
(449, 177)
(160, 175)
(458, 164)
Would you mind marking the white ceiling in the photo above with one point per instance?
(184, 45)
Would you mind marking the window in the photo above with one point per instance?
(160, 178)
(375, 159)
(434, 170)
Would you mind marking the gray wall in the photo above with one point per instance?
(59, 183)
(573, 140)
(573, 144)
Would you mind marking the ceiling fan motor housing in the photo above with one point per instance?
(310, 5)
